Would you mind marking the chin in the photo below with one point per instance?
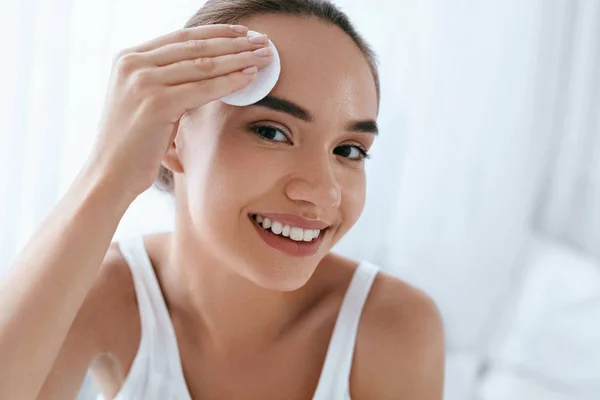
(282, 278)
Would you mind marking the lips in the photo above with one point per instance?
(294, 220)
(322, 231)
(286, 245)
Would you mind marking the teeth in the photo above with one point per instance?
(296, 233)
(277, 228)
(266, 223)
(308, 235)
(293, 232)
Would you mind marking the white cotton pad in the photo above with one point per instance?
(262, 84)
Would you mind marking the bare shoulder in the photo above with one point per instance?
(90, 334)
(103, 304)
(400, 347)
(114, 303)
(114, 285)
(111, 302)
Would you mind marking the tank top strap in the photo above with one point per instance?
(144, 280)
(158, 352)
(335, 375)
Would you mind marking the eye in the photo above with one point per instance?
(354, 153)
(269, 133)
(360, 154)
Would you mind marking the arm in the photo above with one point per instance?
(49, 280)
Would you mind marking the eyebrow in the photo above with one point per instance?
(293, 109)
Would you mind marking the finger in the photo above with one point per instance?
(195, 94)
(183, 35)
(194, 49)
(208, 68)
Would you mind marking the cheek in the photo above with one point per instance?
(251, 168)
(232, 176)
(209, 181)
(215, 204)
(353, 200)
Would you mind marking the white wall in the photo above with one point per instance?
(482, 188)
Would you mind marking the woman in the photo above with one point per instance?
(225, 306)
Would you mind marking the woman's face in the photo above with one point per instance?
(312, 169)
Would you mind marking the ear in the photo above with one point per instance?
(171, 160)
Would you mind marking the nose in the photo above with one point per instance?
(315, 182)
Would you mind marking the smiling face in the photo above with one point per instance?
(311, 167)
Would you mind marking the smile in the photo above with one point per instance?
(291, 240)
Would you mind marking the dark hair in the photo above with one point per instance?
(232, 11)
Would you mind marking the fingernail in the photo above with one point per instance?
(250, 70)
(239, 28)
(263, 52)
(258, 39)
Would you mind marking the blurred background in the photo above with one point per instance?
(483, 188)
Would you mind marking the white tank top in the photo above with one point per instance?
(156, 372)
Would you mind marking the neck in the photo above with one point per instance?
(209, 299)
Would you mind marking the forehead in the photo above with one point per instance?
(322, 69)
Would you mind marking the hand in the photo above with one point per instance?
(151, 87)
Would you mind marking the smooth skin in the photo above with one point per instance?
(251, 322)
